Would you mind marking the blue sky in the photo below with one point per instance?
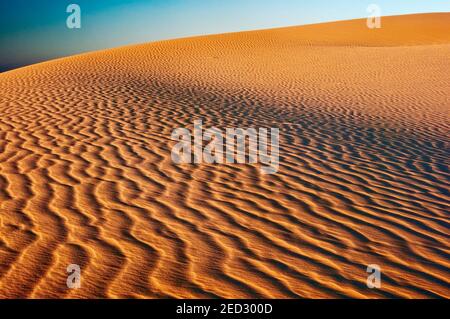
(34, 31)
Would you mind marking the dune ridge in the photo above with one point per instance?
(86, 175)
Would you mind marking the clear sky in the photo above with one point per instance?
(35, 30)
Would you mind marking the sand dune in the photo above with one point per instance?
(86, 175)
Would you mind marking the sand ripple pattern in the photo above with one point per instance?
(86, 175)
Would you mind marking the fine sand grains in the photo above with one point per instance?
(86, 175)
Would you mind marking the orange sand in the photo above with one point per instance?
(86, 175)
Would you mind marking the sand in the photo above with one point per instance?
(86, 175)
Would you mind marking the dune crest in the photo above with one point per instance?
(86, 175)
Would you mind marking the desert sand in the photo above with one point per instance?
(86, 175)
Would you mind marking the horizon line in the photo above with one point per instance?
(208, 35)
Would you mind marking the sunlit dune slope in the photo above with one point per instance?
(418, 29)
(86, 175)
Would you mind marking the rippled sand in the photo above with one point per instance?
(86, 175)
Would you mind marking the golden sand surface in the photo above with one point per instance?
(86, 175)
